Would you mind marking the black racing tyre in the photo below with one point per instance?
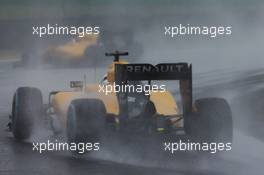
(212, 121)
(85, 120)
(27, 111)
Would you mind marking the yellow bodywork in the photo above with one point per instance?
(74, 49)
(163, 101)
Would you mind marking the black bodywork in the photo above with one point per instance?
(125, 73)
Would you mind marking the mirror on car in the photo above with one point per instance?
(76, 84)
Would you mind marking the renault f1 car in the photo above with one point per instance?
(85, 113)
(81, 51)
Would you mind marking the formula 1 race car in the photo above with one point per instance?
(85, 51)
(88, 112)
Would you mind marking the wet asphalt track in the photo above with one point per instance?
(242, 91)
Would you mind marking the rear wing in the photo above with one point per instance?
(164, 71)
(148, 72)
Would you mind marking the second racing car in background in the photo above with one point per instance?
(81, 51)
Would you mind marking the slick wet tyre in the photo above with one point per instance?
(212, 121)
(27, 111)
(85, 120)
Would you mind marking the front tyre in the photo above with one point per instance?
(27, 111)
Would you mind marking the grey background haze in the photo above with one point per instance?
(146, 21)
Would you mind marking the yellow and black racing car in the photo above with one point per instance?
(87, 112)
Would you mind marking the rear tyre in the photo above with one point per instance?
(27, 111)
(212, 121)
(85, 120)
